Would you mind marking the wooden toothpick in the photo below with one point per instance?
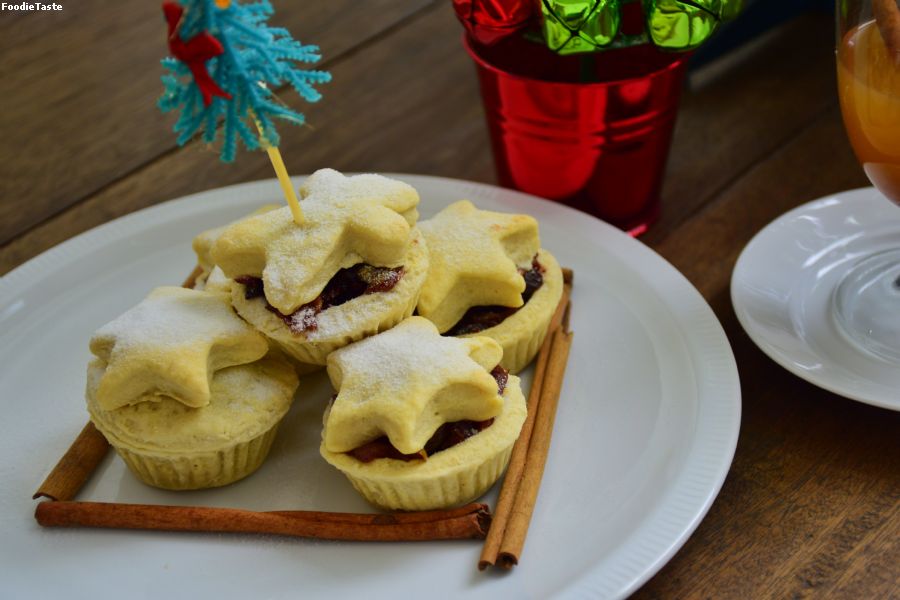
(284, 179)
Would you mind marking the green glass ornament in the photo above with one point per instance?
(730, 9)
(572, 26)
(682, 25)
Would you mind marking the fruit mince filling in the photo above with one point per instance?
(479, 318)
(346, 285)
(446, 436)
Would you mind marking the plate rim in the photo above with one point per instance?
(720, 444)
(770, 350)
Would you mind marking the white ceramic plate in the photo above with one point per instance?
(645, 433)
(782, 285)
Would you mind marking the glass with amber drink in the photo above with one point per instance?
(867, 300)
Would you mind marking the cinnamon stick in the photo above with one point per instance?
(192, 278)
(468, 522)
(887, 17)
(518, 457)
(76, 466)
(523, 507)
(516, 466)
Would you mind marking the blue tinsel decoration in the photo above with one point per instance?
(256, 59)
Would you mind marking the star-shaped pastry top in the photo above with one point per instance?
(171, 344)
(348, 220)
(475, 257)
(204, 241)
(406, 382)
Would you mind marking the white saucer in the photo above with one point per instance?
(782, 286)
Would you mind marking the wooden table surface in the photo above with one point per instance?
(812, 502)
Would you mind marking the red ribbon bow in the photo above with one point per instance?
(489, 21)
(194, 53)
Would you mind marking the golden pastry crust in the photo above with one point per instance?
(451, 477)
(347, 221)
(169, 445)
(341, 325)
(405, 384)
(475, 260)
(171, 344)
(209, 279)
(522, 333)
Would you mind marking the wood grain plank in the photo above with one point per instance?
(79, 89)
(384, 113)
(743, 108)
(703, 157)
(701, 105)
(872, 565)
(814, 483)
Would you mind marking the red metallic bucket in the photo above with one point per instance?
(600, 146)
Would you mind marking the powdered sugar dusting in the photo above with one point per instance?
(170, 317)
(347, 220)
(358, 313)
(475, 260)
(400, 355)
(170, 345)
(406, 382)
(462, 232)
(393, 194)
